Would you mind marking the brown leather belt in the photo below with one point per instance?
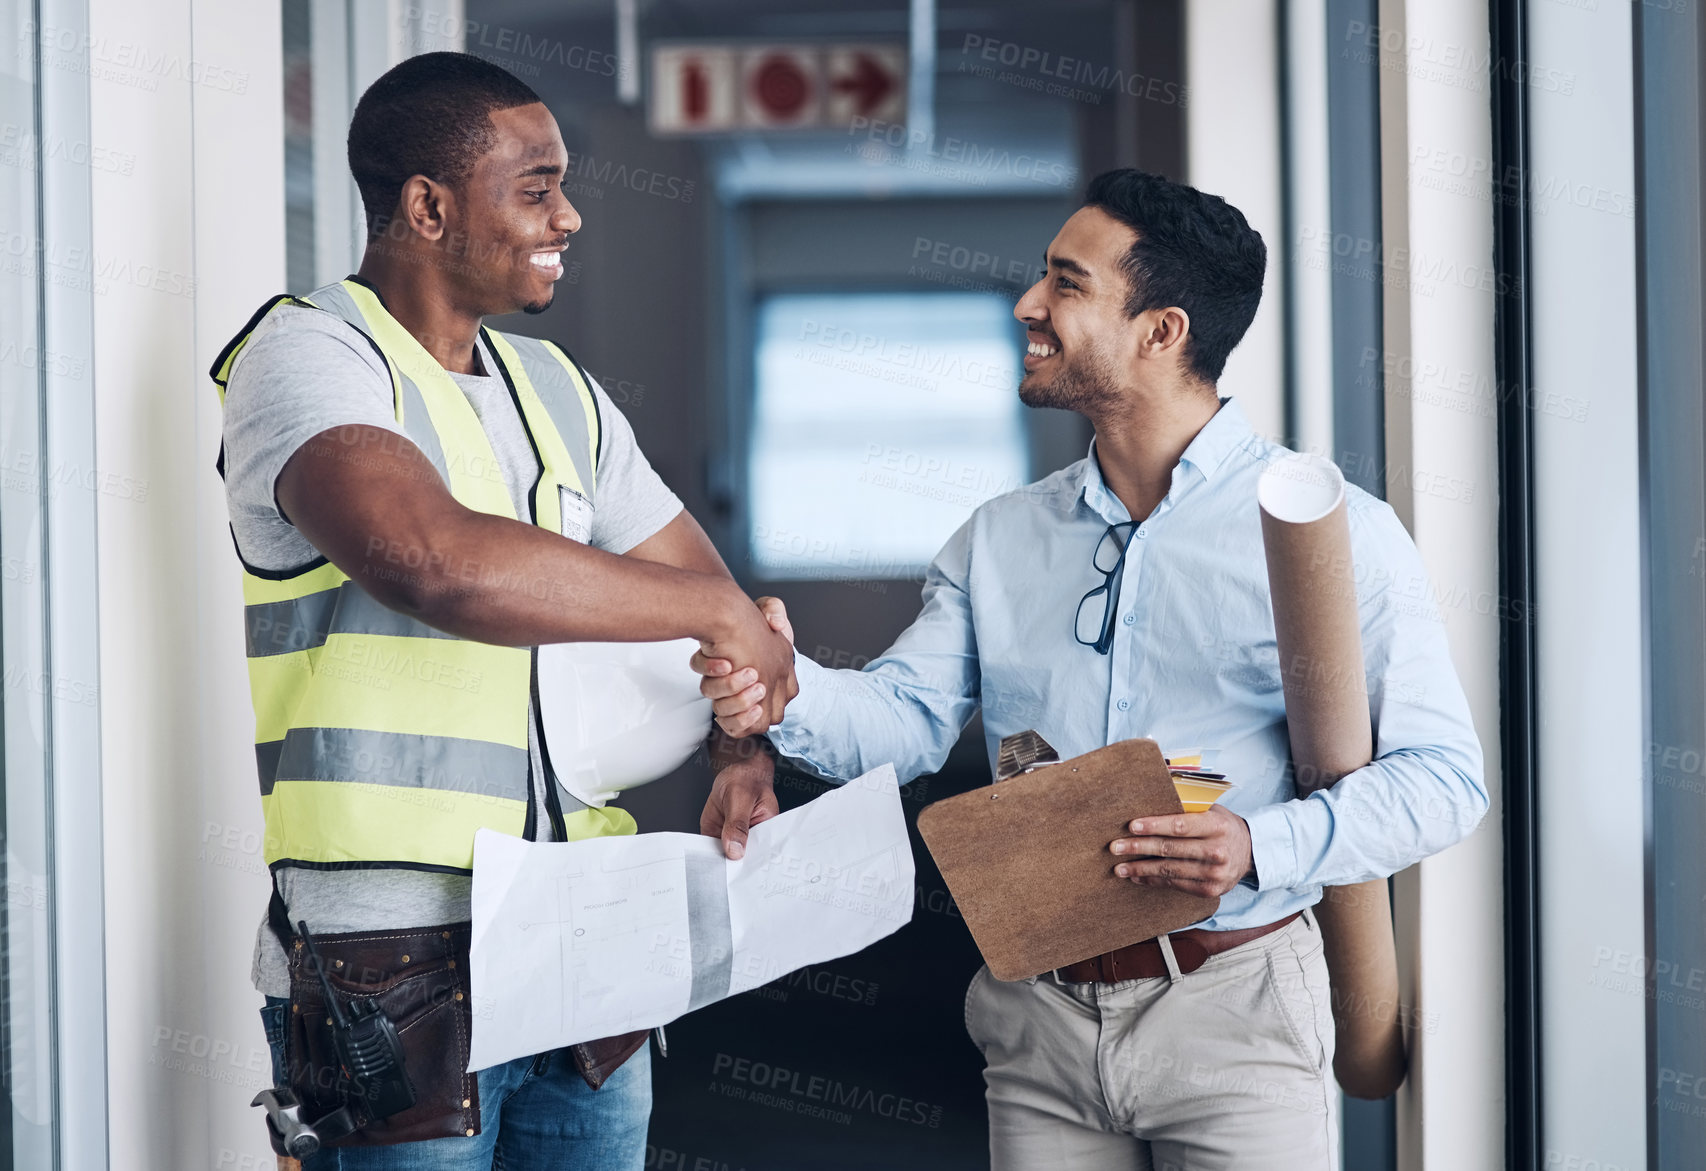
(1143, 961)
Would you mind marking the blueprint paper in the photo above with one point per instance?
(573, 941)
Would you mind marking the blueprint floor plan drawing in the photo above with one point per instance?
(578, 940)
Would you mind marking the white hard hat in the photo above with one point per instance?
(616, 715)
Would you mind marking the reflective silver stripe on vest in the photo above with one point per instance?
(419, 426)
(336, 299)
(266, 763)
(416, 422)
(567, 803)
(402, 759)
(562, 401)
(300, 624)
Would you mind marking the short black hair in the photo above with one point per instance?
(429, 115)
(1193, 250)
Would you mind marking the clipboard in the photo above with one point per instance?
(1027, 860)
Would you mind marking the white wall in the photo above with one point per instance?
(1232, 149)
(202, 209)
(1442, 469)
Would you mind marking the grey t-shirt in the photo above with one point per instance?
(303, 372)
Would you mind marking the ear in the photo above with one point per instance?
(424, 206)
(1162, 333)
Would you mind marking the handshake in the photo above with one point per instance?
(749, 674)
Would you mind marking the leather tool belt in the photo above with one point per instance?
(1144, 961)
(419, 978)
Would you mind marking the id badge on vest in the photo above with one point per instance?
(576, 511)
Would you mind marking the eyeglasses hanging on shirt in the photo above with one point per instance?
(1093, 626)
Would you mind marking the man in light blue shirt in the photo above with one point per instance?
(1125, 1061)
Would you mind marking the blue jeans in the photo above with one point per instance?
(536, 1113)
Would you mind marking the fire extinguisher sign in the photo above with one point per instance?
(717, 88)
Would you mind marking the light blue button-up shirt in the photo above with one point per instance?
(1193, 665)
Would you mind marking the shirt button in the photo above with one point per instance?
(1141, 533)
(1124, 705)
(1130, 618)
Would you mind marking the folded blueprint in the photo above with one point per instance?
(574, 941)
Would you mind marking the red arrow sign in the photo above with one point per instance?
(869, 84)
(781, 87)
(695, 91)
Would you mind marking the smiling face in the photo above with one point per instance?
(515, 221)
(1081, 348)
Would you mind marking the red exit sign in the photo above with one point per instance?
(716, 88)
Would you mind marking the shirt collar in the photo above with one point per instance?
(1224, 434)
(1228, 431)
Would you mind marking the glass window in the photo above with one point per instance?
(53, 1074)
(26, 1016)
(881, 420)
(1669, 976)
(299, 238)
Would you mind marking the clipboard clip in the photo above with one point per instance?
(1022, 752)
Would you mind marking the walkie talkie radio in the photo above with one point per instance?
(370, 1058)
(368, 1050)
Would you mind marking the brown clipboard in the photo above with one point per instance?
(1028, 864)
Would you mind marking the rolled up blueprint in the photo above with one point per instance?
(1307, 536)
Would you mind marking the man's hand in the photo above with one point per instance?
(1205, 854)
(743, 795)
(766, 679)
(738, 696)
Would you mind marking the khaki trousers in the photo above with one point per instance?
(1226, 1067)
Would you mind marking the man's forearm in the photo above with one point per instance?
(750, 752)
(380, 512)
(1402, 808)
(503, 582)
(846, 723)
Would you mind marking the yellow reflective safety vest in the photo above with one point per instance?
(381, 741)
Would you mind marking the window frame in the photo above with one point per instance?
(67, 686)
